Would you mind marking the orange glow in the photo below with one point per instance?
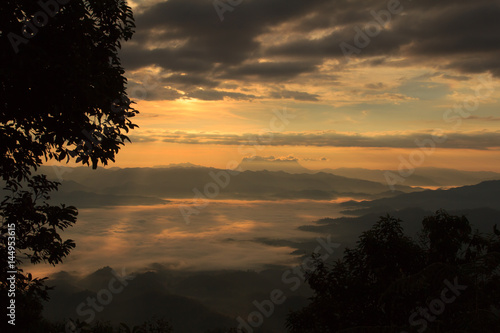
(218, 156)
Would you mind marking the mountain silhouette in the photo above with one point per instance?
(113, 187)
(483, 195)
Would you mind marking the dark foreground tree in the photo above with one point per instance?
(389, 283)
(153, 325)
(62, 90)
(62, 97)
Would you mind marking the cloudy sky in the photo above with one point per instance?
(331, 83)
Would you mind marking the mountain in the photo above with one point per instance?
(179, 165)
(480, 204)
(259, 163)
(429, 177)
(83, 199)
(436, 177)
(87, 188)
(111, 187)
(483, 195)
(191, 301)
(346, 230)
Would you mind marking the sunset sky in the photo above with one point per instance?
(329, 83)
(358, 130)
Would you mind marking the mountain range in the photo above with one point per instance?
(425, 176)
(84, 187)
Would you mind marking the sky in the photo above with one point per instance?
(328, 83)
(380, 84)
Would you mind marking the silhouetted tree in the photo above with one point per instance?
(386, 283)
(62, 92)
(149, 326)
(153, 325)
(62, 97)
(445, 236)
(31, 228)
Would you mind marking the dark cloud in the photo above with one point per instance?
(135, 57)
(156, 92)
(201, 37)
(378, 85)
(322, 159)
(218, 95)
(470, 140)
(465, 33)
(455, 77)
(271, 159)
(272, 70)
(188, 41)
(190, 81)
(296, 95)
(490, 118)
(444, 76)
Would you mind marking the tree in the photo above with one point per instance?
(62, 91)
(154, 325)
(444, 236)
(386, 283)
(32, 228)
(348, 292)
(62, 97)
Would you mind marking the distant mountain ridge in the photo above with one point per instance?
(178, 165)
(262, 164)
(84, 187)
(425, 176)
(152, 185)
(483, 195)
(422, 176)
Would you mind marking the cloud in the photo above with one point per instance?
(455, 35)
(164, 237)
(138, 91)
(296, 95)
(141, 138)
(189, 81)
(288, 158)
(279, 41)
(378, 85)
(218, 95)
(308, 159)
(443, 75)
(188, 34)
(272, 70)
(478, 140)
(455, 77)
(490, 118)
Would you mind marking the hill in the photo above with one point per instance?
(435, 177)
(90, 188)
(483, 195)
(259, 163)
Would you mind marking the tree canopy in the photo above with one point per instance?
(447, 282)
(62, 97)
(62, 89)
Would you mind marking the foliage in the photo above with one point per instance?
(153, 325)
(63, 93)
(150, 326)
(36, 225)
(445, 236)
(388, 280)
(62, 97)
